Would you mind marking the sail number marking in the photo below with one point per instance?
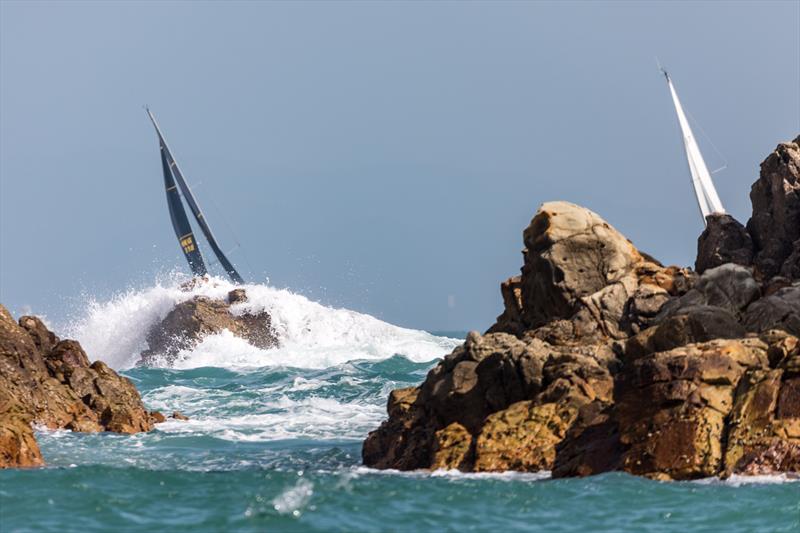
(187, 243)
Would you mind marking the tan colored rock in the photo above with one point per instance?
(672, 406)
(18, 447)
(452, 448)
(522, 437)
(190, 321)
(571, 253)
(48, 381)
(405, 440)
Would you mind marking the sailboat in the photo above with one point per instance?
(707, 197)
(176, 186)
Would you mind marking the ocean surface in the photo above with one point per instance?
(274, 444)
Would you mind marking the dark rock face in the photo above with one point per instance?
(775, 223)
(771, 240)
(724, 240)
(603, 359)
(49, 381)
(190, 321)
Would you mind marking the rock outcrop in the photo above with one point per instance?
(48, 381)
(775, 223)
(603, 359)
(770, 242)
(193, 319)
(725, 240)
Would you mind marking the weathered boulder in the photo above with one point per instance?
(725, 240)
(570, 253)
(730, 287)
(582, 279)
(192, 320)
(780, 310)
(775, 223)
(697, 323)
(48, 381)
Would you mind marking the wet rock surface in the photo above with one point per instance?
(48, 381)
(603, 359)
(190, 321)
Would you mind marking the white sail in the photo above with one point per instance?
(707, 197)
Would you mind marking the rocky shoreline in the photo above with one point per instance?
(605, 360)
(50, 382)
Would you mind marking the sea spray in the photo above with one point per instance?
(311, 335)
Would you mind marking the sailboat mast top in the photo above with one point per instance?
(707, 198)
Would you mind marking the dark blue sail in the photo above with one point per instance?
(171, 168)
(180, 222)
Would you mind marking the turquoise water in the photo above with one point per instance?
(278, 449)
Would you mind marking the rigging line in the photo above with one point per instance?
(233, 234)
(708, 138)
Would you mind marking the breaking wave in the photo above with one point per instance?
(311, 335)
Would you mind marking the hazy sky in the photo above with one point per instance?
(383, 157)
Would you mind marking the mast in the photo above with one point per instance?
(707, 197)
(172, 166)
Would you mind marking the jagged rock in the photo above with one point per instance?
(18, 446)
(671, 407)
(725, 240)
(190, 321)
(791, 266)
(693, 324)
(237, 296)
(404, 441)
(775, 223)
(49, 381)
(591, 445)
(522, 437)
(452, 448)
(768, 459)
(730, 287)
(764, 426)
(482, 390)
(780, 310)
(603, 359)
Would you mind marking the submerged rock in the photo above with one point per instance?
(603, 359)
(48, 381)
(190, 321)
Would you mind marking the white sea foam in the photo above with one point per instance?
(311, 335)
(456, 474)
(294, 499)
(737, 480)
(281, 419)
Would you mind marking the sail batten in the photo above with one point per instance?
(170, 166)
(707, 198)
